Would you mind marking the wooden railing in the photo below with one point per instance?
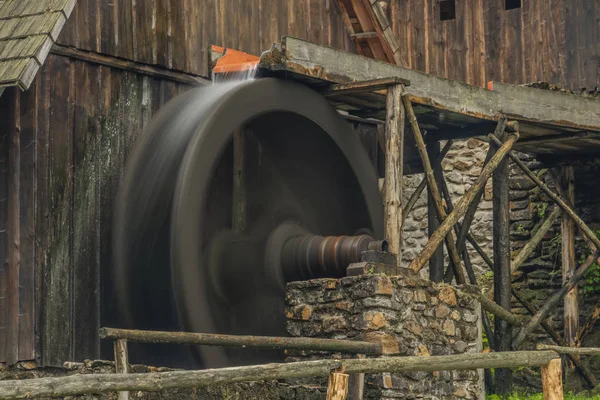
(337, 370)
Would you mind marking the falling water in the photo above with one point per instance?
(246, 72)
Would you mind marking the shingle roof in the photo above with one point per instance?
(28, 29)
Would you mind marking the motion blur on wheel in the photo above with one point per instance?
(209, 229)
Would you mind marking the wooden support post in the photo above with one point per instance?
(502, 277)
(448, 234)
(417, 193)
(122, 362)
(394, 144)
(436, 263)
(337, 388)
(239, 180)
(567, 227)
(552, 380)
(461, 207)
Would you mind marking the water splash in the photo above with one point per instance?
(245, 72)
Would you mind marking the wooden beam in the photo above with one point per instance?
(567, 227)
(372, 85)
(534, 105)
(256, 342)
(502, 276)
(127, 65)
(580, 351)
(434, 190)
(394, 151)
(462, 205)
(156, 381)
(560, 202)
(436, 263)
(552, 380)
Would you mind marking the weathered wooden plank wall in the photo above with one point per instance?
(77, 124)
(556, 41)
(176, 33)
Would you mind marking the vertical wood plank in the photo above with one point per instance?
(6, 105)
(394, 151)
(502, 276)
(571, 300)
(124, 20)
(161, 32)
(85, 165)
(108, 26)
(492, 23)
(436, 262)
(29, 128)
(552, 380)
(42, 197)
(143, 30)
(58, 296)
(13, 230)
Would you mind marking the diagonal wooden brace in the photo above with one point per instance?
(437, 199)
(461, 207)
(417, 193)
(560, 202)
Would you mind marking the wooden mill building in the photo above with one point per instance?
(80, 79)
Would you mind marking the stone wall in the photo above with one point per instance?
(461, 167)
(408, 315)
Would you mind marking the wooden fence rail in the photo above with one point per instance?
(156, 381)
(247, 341)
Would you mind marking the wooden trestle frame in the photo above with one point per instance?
(455, 234)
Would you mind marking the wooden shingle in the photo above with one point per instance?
(28, 29)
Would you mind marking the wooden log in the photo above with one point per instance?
(567, 228)
(257, 342)
(437, 199)
(121, 362)
(417, 193)
(394, 151)
(581, 351)
(472, 209)
(560, 202)
(337, 388)
(156, 381)
(436, 263)
(462, 205)
(528, 104)
(552, 380)
(502, 276)
(553, 301)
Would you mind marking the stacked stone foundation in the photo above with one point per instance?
(408, 315)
